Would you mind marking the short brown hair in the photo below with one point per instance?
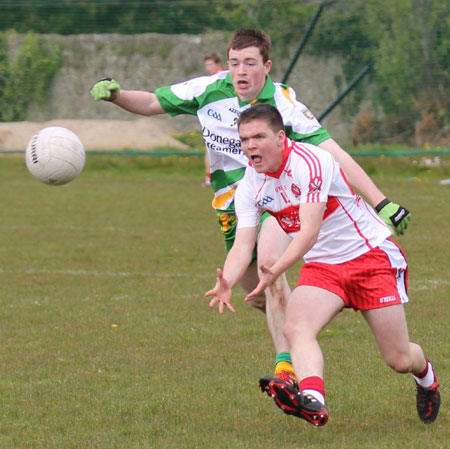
(214, 56)
(263, 111)
(251, 38)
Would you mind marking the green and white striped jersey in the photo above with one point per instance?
(214, 101)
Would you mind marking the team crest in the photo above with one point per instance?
(295, 189)
(308, 114)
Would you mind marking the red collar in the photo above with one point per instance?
(288, 145)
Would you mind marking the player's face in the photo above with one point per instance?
(211, 67)
(248, 72)
(262, 146)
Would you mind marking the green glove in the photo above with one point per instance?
(395, 216)
(106, 89)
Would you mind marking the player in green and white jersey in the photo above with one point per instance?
(217, 101)
(218, 114)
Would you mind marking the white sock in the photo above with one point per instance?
(315, 394)
(428, 380)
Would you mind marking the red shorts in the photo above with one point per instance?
(375, 279)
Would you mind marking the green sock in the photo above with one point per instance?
(283, 357)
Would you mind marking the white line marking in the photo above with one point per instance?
(95, 273)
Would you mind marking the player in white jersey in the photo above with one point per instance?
(213, 65)
(308, 174)
(349, 262)
(218, 100)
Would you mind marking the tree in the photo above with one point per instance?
(411, 58)
(408, 42)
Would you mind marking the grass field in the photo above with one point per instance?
(107, 340)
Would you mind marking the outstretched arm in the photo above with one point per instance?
(136, 101)
(394, 215)
(139, 102)
(355, 174)
(235, 266)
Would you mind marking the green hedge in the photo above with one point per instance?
(25, 77)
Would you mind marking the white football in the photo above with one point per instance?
(55, 155)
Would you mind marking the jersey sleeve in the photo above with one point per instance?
(184, 97)
(247, 210)
(175, 105)
(314, 172)
(300, 123)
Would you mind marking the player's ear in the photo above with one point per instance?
(281, 136)
(267, 66)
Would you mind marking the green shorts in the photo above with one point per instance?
(227, 222)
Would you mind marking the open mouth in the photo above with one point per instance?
(256, 159)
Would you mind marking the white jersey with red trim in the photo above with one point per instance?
(308, 174)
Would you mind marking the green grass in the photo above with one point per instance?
(108, 342)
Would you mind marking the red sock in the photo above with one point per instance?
(425, 372)
(313, 383)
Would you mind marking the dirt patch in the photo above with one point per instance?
(142, 134)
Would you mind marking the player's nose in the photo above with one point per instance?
(241, 69)
(252, 143)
